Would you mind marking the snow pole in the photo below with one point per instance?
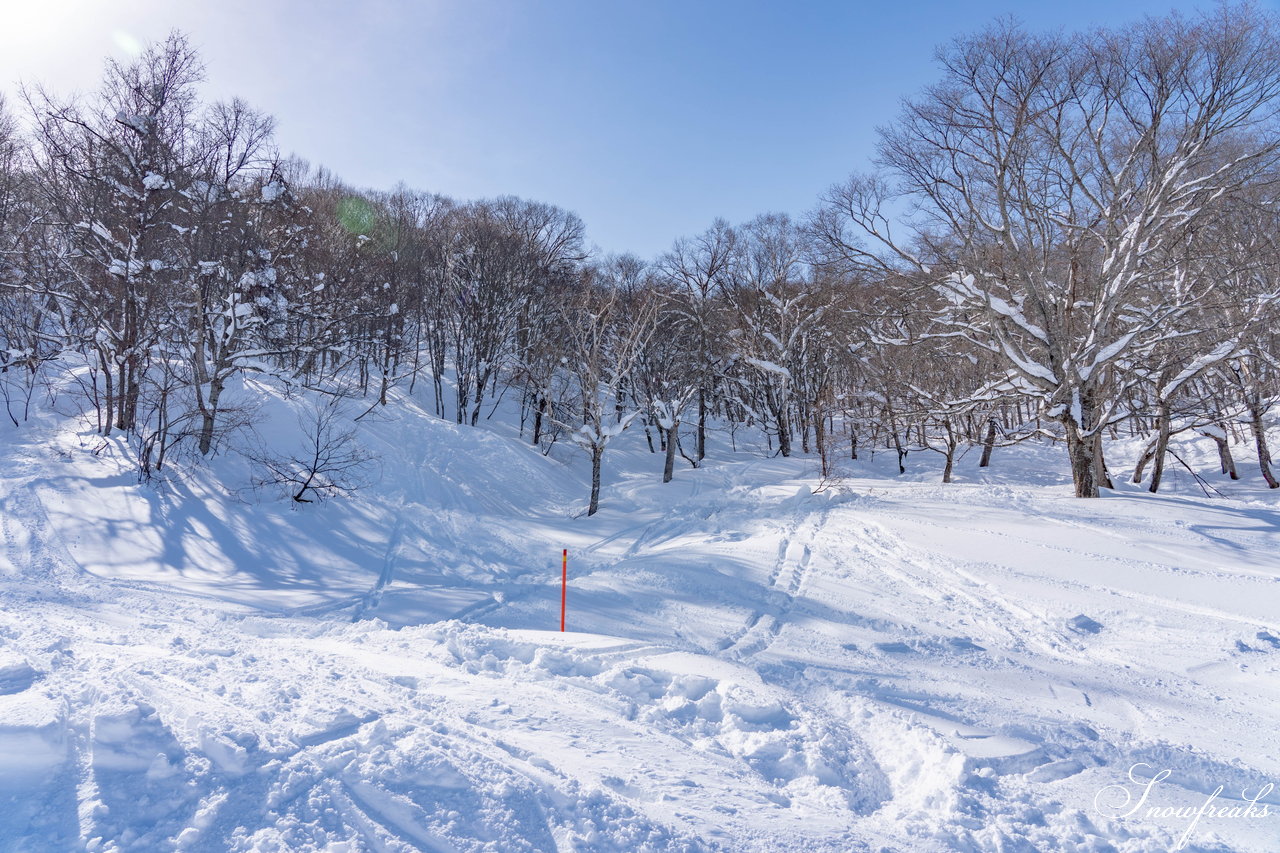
(564, 584)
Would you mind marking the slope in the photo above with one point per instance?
(887, 664)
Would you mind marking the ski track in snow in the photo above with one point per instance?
(794, 672)
(785, 583)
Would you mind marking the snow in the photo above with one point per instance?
(139, 123)
(1108, 354)
(272, 191)
(1219, 353)
(768, 366)
(122, 268)
(888, 664)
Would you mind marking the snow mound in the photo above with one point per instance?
(886, 665)
(16, 674)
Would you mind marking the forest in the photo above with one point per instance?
(1068, 238)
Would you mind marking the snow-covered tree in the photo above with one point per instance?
(228, 276)
(603, 337)
(697, 270)
(112, 173)
(1049, 177)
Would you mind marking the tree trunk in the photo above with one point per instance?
(1080, 449)
(700, 452)
(668, 466)
(1148, 453)
(951, 452)
(820, 442)
(386, 378)
(122, 396)
(1224, 452)
(208, 416)
(1100, 465)
(1162, 445)
(537, 419)
(1084, 447)
(478, 398)
(597, 452)
(108, 397)
(784, 431)
(1260, 438)
(164, 428)
(988, 444)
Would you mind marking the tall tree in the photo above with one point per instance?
(112, 174)
(1051, 174)
(698, 269)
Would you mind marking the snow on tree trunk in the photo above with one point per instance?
(1225, 461)
(988, 444)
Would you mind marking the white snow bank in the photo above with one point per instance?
(890, 664)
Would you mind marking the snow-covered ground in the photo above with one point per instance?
(887, 664)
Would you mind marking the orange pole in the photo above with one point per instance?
(564, 584)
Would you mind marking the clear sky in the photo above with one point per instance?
(648, 118)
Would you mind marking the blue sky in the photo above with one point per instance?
(648, 119)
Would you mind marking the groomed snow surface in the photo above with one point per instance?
(888, 664)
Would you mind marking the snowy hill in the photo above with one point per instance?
(887, 664)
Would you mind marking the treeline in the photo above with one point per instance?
(1071, 235)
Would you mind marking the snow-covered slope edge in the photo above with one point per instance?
(889, 664)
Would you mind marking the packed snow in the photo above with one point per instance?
(756, 659)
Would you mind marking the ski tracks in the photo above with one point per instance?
(679, 518)
(952, 590)
(374, 596)
(787, 579)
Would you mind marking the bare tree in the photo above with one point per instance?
(1052, 175)
(229, 275)
(604, 338)
(330, 461)
(698, 269)
(112, 174)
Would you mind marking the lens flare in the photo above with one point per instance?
(127, 42)
(355, 215)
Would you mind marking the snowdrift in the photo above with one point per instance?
(888, 664)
